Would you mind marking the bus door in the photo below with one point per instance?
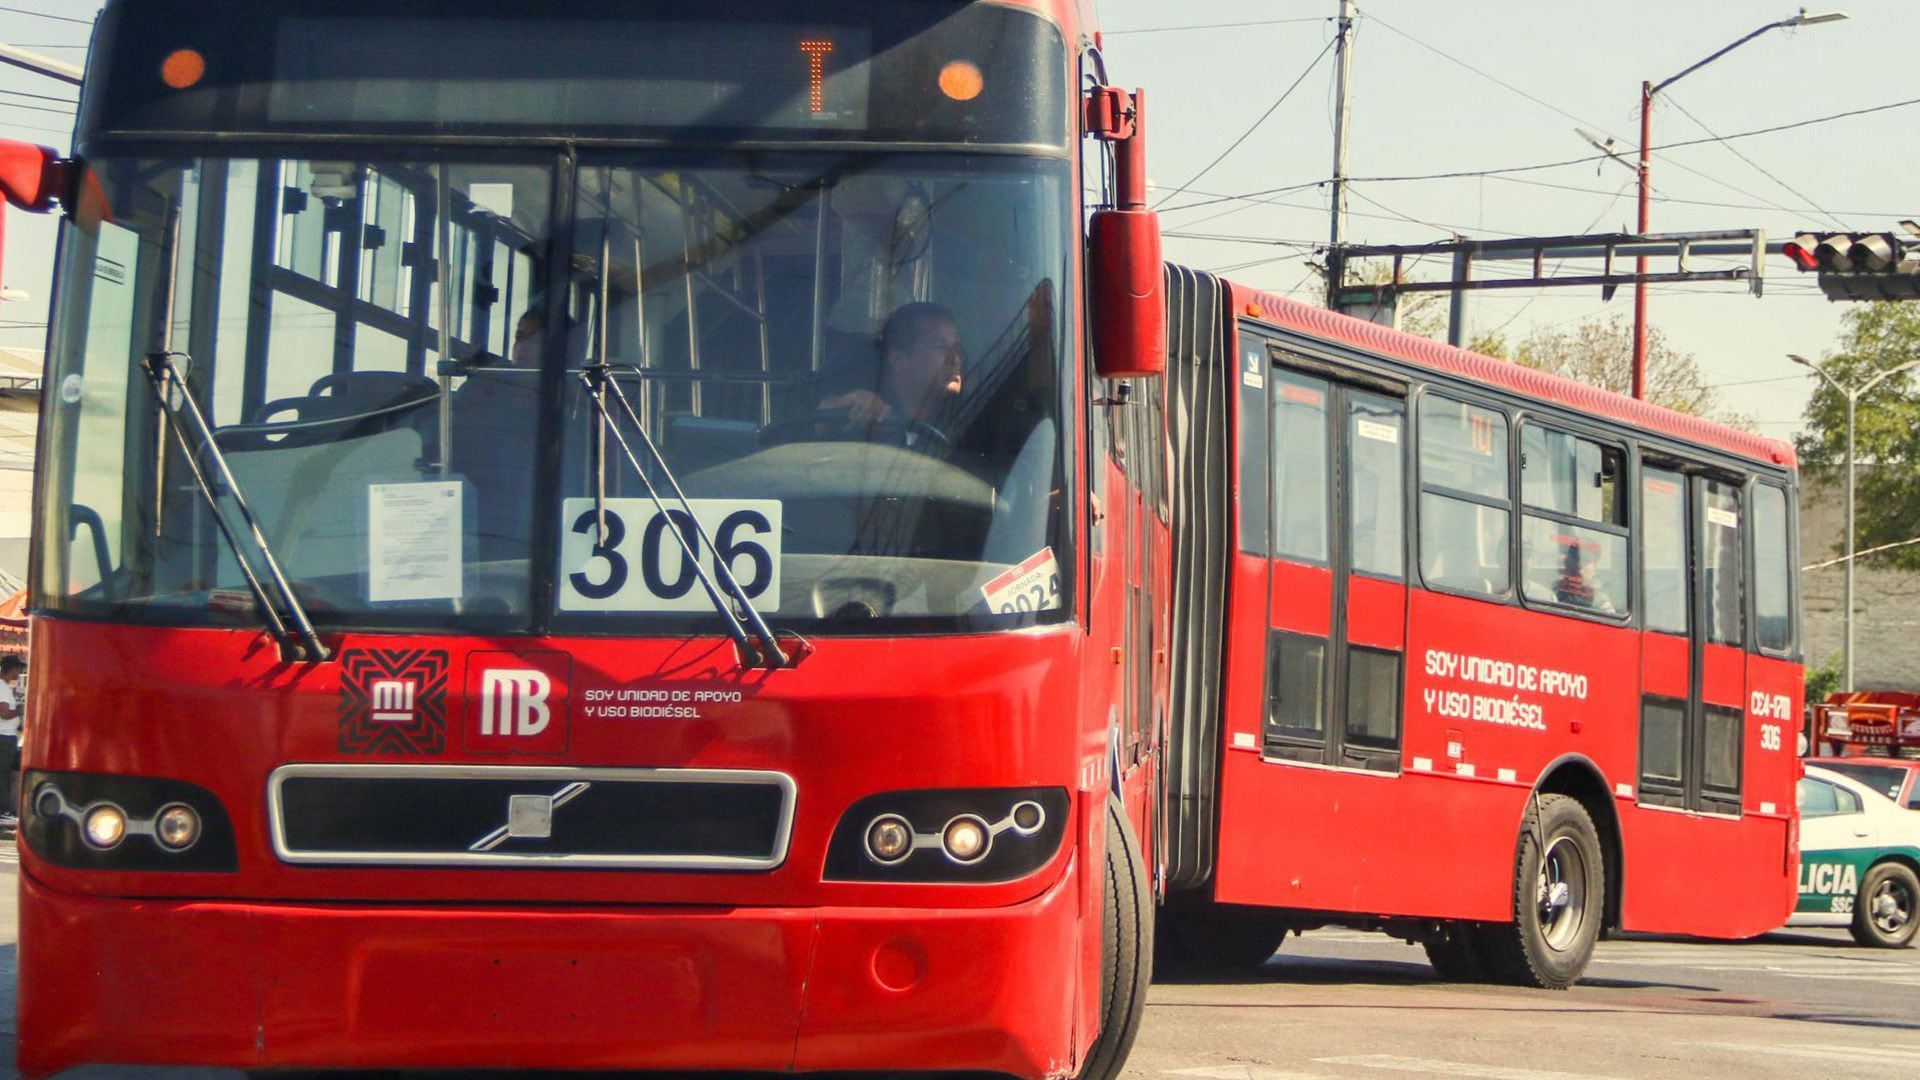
(1338, 606)
(1693, 683)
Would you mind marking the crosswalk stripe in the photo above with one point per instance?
(1243, 1072)
(1861, 1054)
(1434, 1067)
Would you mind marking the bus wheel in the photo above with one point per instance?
(1202, 938)
(1456, 953)
(1888, 911)
(1126, 952)
(1559, 893)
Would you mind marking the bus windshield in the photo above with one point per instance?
(849, 363)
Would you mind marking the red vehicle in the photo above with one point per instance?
(1478, 618)
(1886, 721)
(605, 544)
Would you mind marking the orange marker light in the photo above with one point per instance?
(961, 81)
(183, 68)
(816, 73)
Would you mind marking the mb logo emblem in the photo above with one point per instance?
(514, 702)
(517, 702)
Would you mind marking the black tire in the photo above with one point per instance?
(1126, 957)
(1456, 953)
(1194, 937)
(1886, 912)
(1551, 937)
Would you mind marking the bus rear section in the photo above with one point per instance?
(567, 549)
(1478, 619)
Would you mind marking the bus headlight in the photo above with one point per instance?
(106, 826)
(966, 839)
(889, 839)
(105, 821)
(972, 835)
(177, 827)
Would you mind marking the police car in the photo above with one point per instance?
(1859, 852)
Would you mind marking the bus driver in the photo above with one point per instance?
(920, 375)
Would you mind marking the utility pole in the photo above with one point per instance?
(1852, 395)
(1342, 116)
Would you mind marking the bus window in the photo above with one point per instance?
(1377, 533)
(1465, 520)
(1296, 676)
(1252, 428)
(314, 305)
(1573, 541)
(1663, 539)
(1725, 595)
(1299, 467)
(1772, 570)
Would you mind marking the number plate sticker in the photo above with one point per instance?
(1034, 585)
(639, 565)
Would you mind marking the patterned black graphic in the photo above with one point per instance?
(393, 701)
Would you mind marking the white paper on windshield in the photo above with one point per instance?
(1034, 585)
(414, 541)
(639, 563)
(1377, 431)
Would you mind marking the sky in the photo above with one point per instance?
(1438, 86)
(1469, 85)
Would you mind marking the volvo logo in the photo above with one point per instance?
(530, 817)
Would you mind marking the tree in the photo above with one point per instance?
(1874, 337)
(1600, 353)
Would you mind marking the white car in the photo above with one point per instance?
(1859, 861)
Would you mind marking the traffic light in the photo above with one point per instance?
(1861, 266)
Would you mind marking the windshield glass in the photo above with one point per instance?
(1884, 779)
(851, 365)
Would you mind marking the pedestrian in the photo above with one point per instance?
(13, 707)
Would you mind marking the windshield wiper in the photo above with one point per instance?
(297, 641)
(767, 652)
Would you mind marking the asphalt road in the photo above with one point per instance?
(1340, 1004)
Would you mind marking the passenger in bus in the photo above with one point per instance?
(918, 381)
(529, 340)
(1580, 584)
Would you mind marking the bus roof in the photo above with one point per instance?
(1525, 381)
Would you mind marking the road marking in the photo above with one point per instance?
(1449, 1068)
(1243, 1072)
(1862, 1054)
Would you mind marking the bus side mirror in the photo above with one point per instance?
(1129, 310)
(1123, 247)
(31, 177)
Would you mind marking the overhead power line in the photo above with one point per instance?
(1471, 173)
(1496, 80)
(1255, 126)
(1761, 169)
(1211, 26)
(39, 97)
(45, 15)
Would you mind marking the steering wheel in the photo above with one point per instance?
(822, 425)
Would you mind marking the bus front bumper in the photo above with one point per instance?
(342, 986)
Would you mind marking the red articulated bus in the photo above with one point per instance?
(574, 536)
(1503, 661)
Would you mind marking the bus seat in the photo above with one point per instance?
(337, 406)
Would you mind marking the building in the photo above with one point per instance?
(1886, 626)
